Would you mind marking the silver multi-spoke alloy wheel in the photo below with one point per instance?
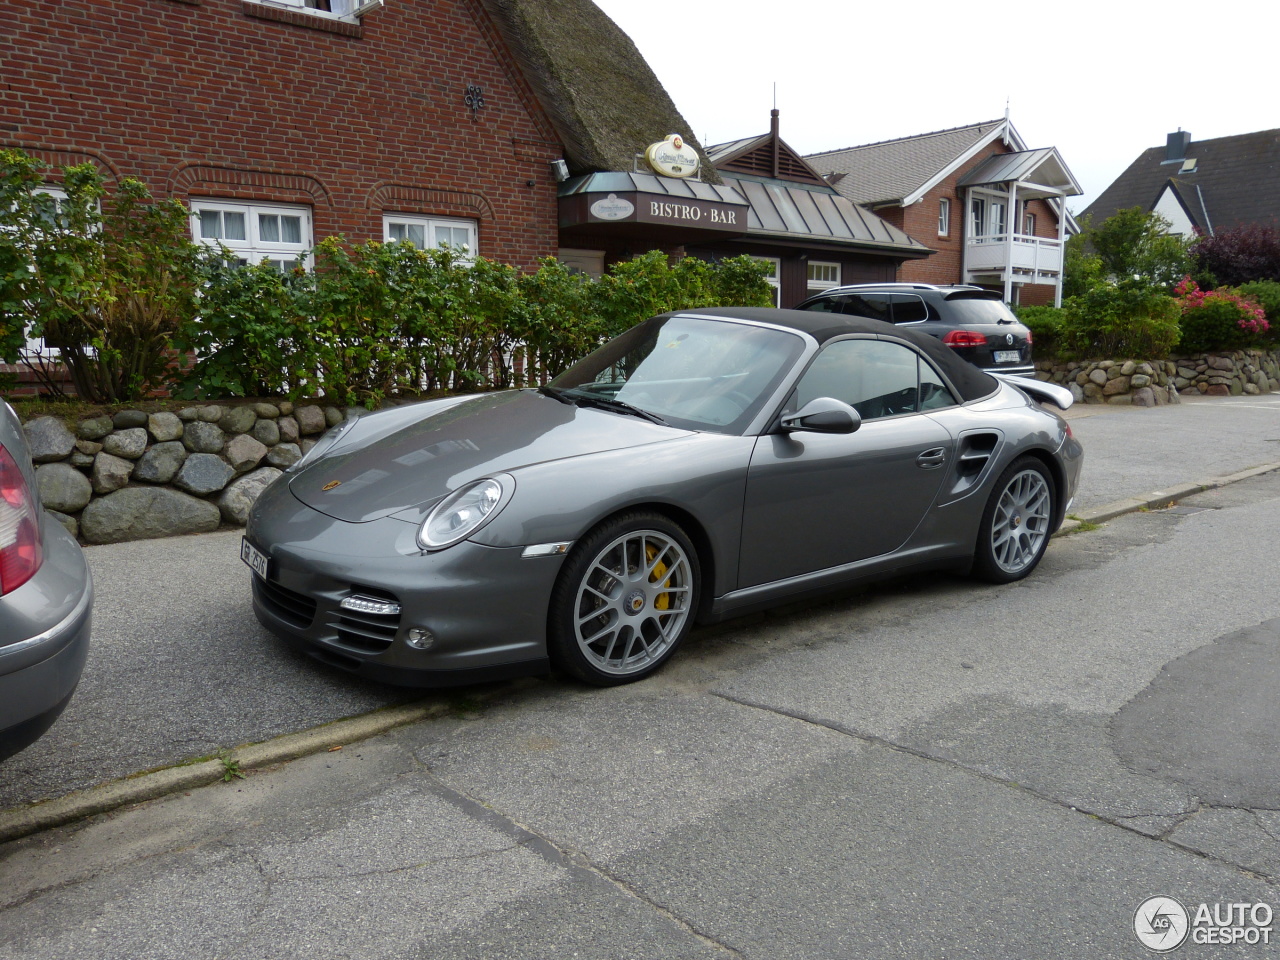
(1021, 522)
(632, 602)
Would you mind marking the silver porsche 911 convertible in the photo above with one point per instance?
(701, 465)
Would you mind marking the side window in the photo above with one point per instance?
(873, 305)
(908, 308)
(934, 394)
(876, 378)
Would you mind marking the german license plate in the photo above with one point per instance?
(1007, 356)
(258, 561)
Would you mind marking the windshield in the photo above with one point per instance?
(690, 372)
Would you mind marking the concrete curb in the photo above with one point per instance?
(1159, 499)
(21, 822)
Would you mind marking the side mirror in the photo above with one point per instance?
(823, 415)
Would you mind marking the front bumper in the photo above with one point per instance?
(484, 607)
(52, 614)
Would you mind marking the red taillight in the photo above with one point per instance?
(1028, 338)
(20, 550)
(964, 338)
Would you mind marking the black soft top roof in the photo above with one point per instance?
(971, 382)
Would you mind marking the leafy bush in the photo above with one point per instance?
(1046, 326)
(1130, 248)
(1266, 293)
(106, 281)
(379, 319)
(1240, 255)
(1118, 320)
(1218, 319)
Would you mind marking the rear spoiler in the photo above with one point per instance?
(1060, 397)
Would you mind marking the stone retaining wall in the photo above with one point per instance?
(1156, 382)
(136, 475)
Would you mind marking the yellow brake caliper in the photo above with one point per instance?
(663, 602)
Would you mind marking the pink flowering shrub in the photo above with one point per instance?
(1219, 319)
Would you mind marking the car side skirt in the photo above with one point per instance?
(819, 582)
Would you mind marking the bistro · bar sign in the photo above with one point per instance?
(672, 157)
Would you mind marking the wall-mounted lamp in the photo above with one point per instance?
(559, 170)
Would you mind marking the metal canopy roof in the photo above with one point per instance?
(790, 212)
(1037, 172)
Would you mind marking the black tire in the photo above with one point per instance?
(614, 620)
(1017, 522)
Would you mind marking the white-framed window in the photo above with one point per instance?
(1029, 224)
(944, 217)
(823, 276)
(335, 9)
(278, 233)
(432, 233)
(773, 276)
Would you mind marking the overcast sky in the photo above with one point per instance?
(1101, 81)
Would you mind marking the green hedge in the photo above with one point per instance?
(378, 319)
(118, 286)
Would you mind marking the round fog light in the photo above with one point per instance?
(419, 638)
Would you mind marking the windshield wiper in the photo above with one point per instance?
(555, 393)
(619, 406)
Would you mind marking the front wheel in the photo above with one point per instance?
(624, 600)
(1016, 522)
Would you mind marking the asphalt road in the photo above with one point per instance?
(179, 667)
(931, 768)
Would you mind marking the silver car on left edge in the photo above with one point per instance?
(703, 464)
(46, 601)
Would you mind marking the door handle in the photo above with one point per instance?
(934, 457)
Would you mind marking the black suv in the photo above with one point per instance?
(972, 321)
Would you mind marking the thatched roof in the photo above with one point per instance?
(604, 101)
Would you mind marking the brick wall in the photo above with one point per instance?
(236, 100)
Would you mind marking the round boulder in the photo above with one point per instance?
(62, 487)
(164, 427)
(160, 464)
(48, 439)
(238, 498)
(238, 420)
(127, 419)
(95, 428)
(140, 513)
(199, 436)
(203, 474)
(129, 444)
(110, 472)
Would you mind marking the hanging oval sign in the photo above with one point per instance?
(673, 157)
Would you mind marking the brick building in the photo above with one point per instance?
(992, 210)
(282, 123)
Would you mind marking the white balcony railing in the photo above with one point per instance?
(1035, 258)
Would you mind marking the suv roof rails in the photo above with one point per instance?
(908, 286)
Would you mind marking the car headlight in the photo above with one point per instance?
(327, 441)
(462, 513)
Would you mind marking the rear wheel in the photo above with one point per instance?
(624, 600)
(1016, 523)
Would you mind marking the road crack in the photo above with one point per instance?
(1110, 820)
(575, 862)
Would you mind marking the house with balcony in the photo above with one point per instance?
(992, 209)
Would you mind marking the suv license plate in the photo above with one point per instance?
(258, 561)
(1007, 356)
